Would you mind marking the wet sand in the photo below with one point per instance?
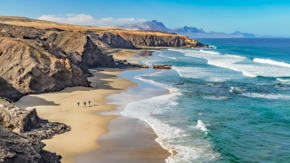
(128, 141)
(87, 125)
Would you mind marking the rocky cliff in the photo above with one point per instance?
(81, 50)
(141, 39)
(35, 66)
(36, 60)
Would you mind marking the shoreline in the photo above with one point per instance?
(129, 139)
(87, 124)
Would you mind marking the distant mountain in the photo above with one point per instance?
(149, 25)
(185, 30)
(192, 32)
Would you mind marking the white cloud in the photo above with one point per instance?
(87, 19)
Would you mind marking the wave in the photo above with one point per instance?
(216, 97)
(161, 55)
(212, 75)
(169, 136)
(283, 80)
(267, 96)
(246, 66)
(271, 62)
(211, 52)
(170, 88)
(236, 90)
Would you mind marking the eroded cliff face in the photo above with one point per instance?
(36, 60)
(81, 50)
(141, 39)
(35, 66)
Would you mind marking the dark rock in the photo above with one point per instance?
(18, 149)
(161, 66)
(28, 124)
(180, 84)
(7, 91)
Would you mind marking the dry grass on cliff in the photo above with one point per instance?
(22, 21)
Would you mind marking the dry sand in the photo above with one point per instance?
(129, 54)
(86, 125)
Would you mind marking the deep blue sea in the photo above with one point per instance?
(232, 104)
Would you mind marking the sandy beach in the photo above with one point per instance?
(85, 122)
(86, 125)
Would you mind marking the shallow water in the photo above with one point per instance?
(232, 107)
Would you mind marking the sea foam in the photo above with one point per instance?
(267, 96)
(168, 136)
(271, 62)
(246, 66)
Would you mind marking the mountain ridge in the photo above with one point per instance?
(189, 31)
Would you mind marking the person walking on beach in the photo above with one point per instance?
(78, 104)
(85, 103)
(89, 102)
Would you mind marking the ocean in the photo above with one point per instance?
(226, 104)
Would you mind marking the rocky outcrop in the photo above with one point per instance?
(7, 91)
(28, 124)
(37, 66)
(81, 50)
(21, 132)
(161, 66)
(140, 39)
(110, 40)
(18, 149)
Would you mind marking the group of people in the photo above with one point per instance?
(85, 103)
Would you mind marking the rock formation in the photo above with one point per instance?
(141, 39)
(161, 66)
(37, 66)
(18, 149)
(81, 50)
(28, 124)
(7, 91)
(21, 132)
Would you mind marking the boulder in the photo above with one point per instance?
(161, 66)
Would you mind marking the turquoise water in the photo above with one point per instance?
(233, 105)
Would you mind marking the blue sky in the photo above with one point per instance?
(264, 17)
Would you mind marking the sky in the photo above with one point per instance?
(263, 17)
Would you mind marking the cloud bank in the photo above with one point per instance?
(87, 19)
